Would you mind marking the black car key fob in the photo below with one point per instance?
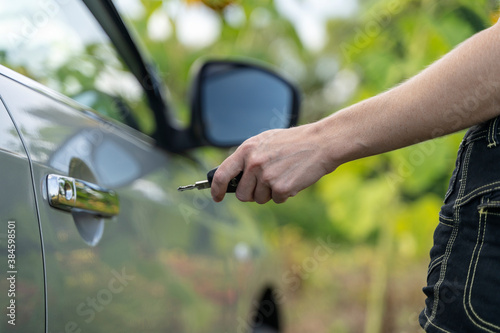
(233, 183)
(231, 187)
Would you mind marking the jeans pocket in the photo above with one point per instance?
(453, 179)
(481, 296)
(438, 252)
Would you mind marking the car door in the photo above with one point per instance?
(22, 283)
(159, 260)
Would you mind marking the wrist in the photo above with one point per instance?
(339, 139)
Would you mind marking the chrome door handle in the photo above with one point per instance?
(69, 194)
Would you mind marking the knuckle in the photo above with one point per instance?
(270, 132)
(254, 163)
(243, 197)
(262, 201)
(257, 160)
(279, 200)
(281, 190)
(267, 177)
(248, 145)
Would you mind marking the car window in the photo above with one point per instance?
(59, 44)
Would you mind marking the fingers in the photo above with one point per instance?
(280, 197)
(262, 193)
(229, 169)
(246, 186)
(248, 190)
(276, 165)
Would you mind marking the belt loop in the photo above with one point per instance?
(493, 133)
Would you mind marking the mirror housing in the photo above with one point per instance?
(232, 101)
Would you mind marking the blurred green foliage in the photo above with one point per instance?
(388, 203)
(380, 210)
(381, 45)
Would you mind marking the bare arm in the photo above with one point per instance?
(456, 92)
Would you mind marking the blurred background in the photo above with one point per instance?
(356, 243)
(376, 215)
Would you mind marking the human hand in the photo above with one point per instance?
(276, 165)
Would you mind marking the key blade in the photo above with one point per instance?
(186, 188)
(201, 185)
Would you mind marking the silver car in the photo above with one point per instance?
(94, 235)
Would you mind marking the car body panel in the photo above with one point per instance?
(22, 284)
(169, 261)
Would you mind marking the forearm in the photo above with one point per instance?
(459, 90)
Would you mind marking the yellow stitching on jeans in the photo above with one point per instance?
(474, 194)
(492, 142)
(475, 268)
(429, 321)
(473, 276)
(494, 132)
(490, 134)
(465, 199)
(478, 138)
(434, 263)
(450, 219)
(490, 204)
(496, 214)
(435, 259)
(443, 220)
(465, 171)
(453, 236)
(466, 288)
(446, 224)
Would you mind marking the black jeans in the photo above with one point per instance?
(463, 280)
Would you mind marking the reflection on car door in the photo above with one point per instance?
(162, 264)
(22, 282)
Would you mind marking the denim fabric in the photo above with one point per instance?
(463, 280)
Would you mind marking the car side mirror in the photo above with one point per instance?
(233, 101)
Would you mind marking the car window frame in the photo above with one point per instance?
(110, 20)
